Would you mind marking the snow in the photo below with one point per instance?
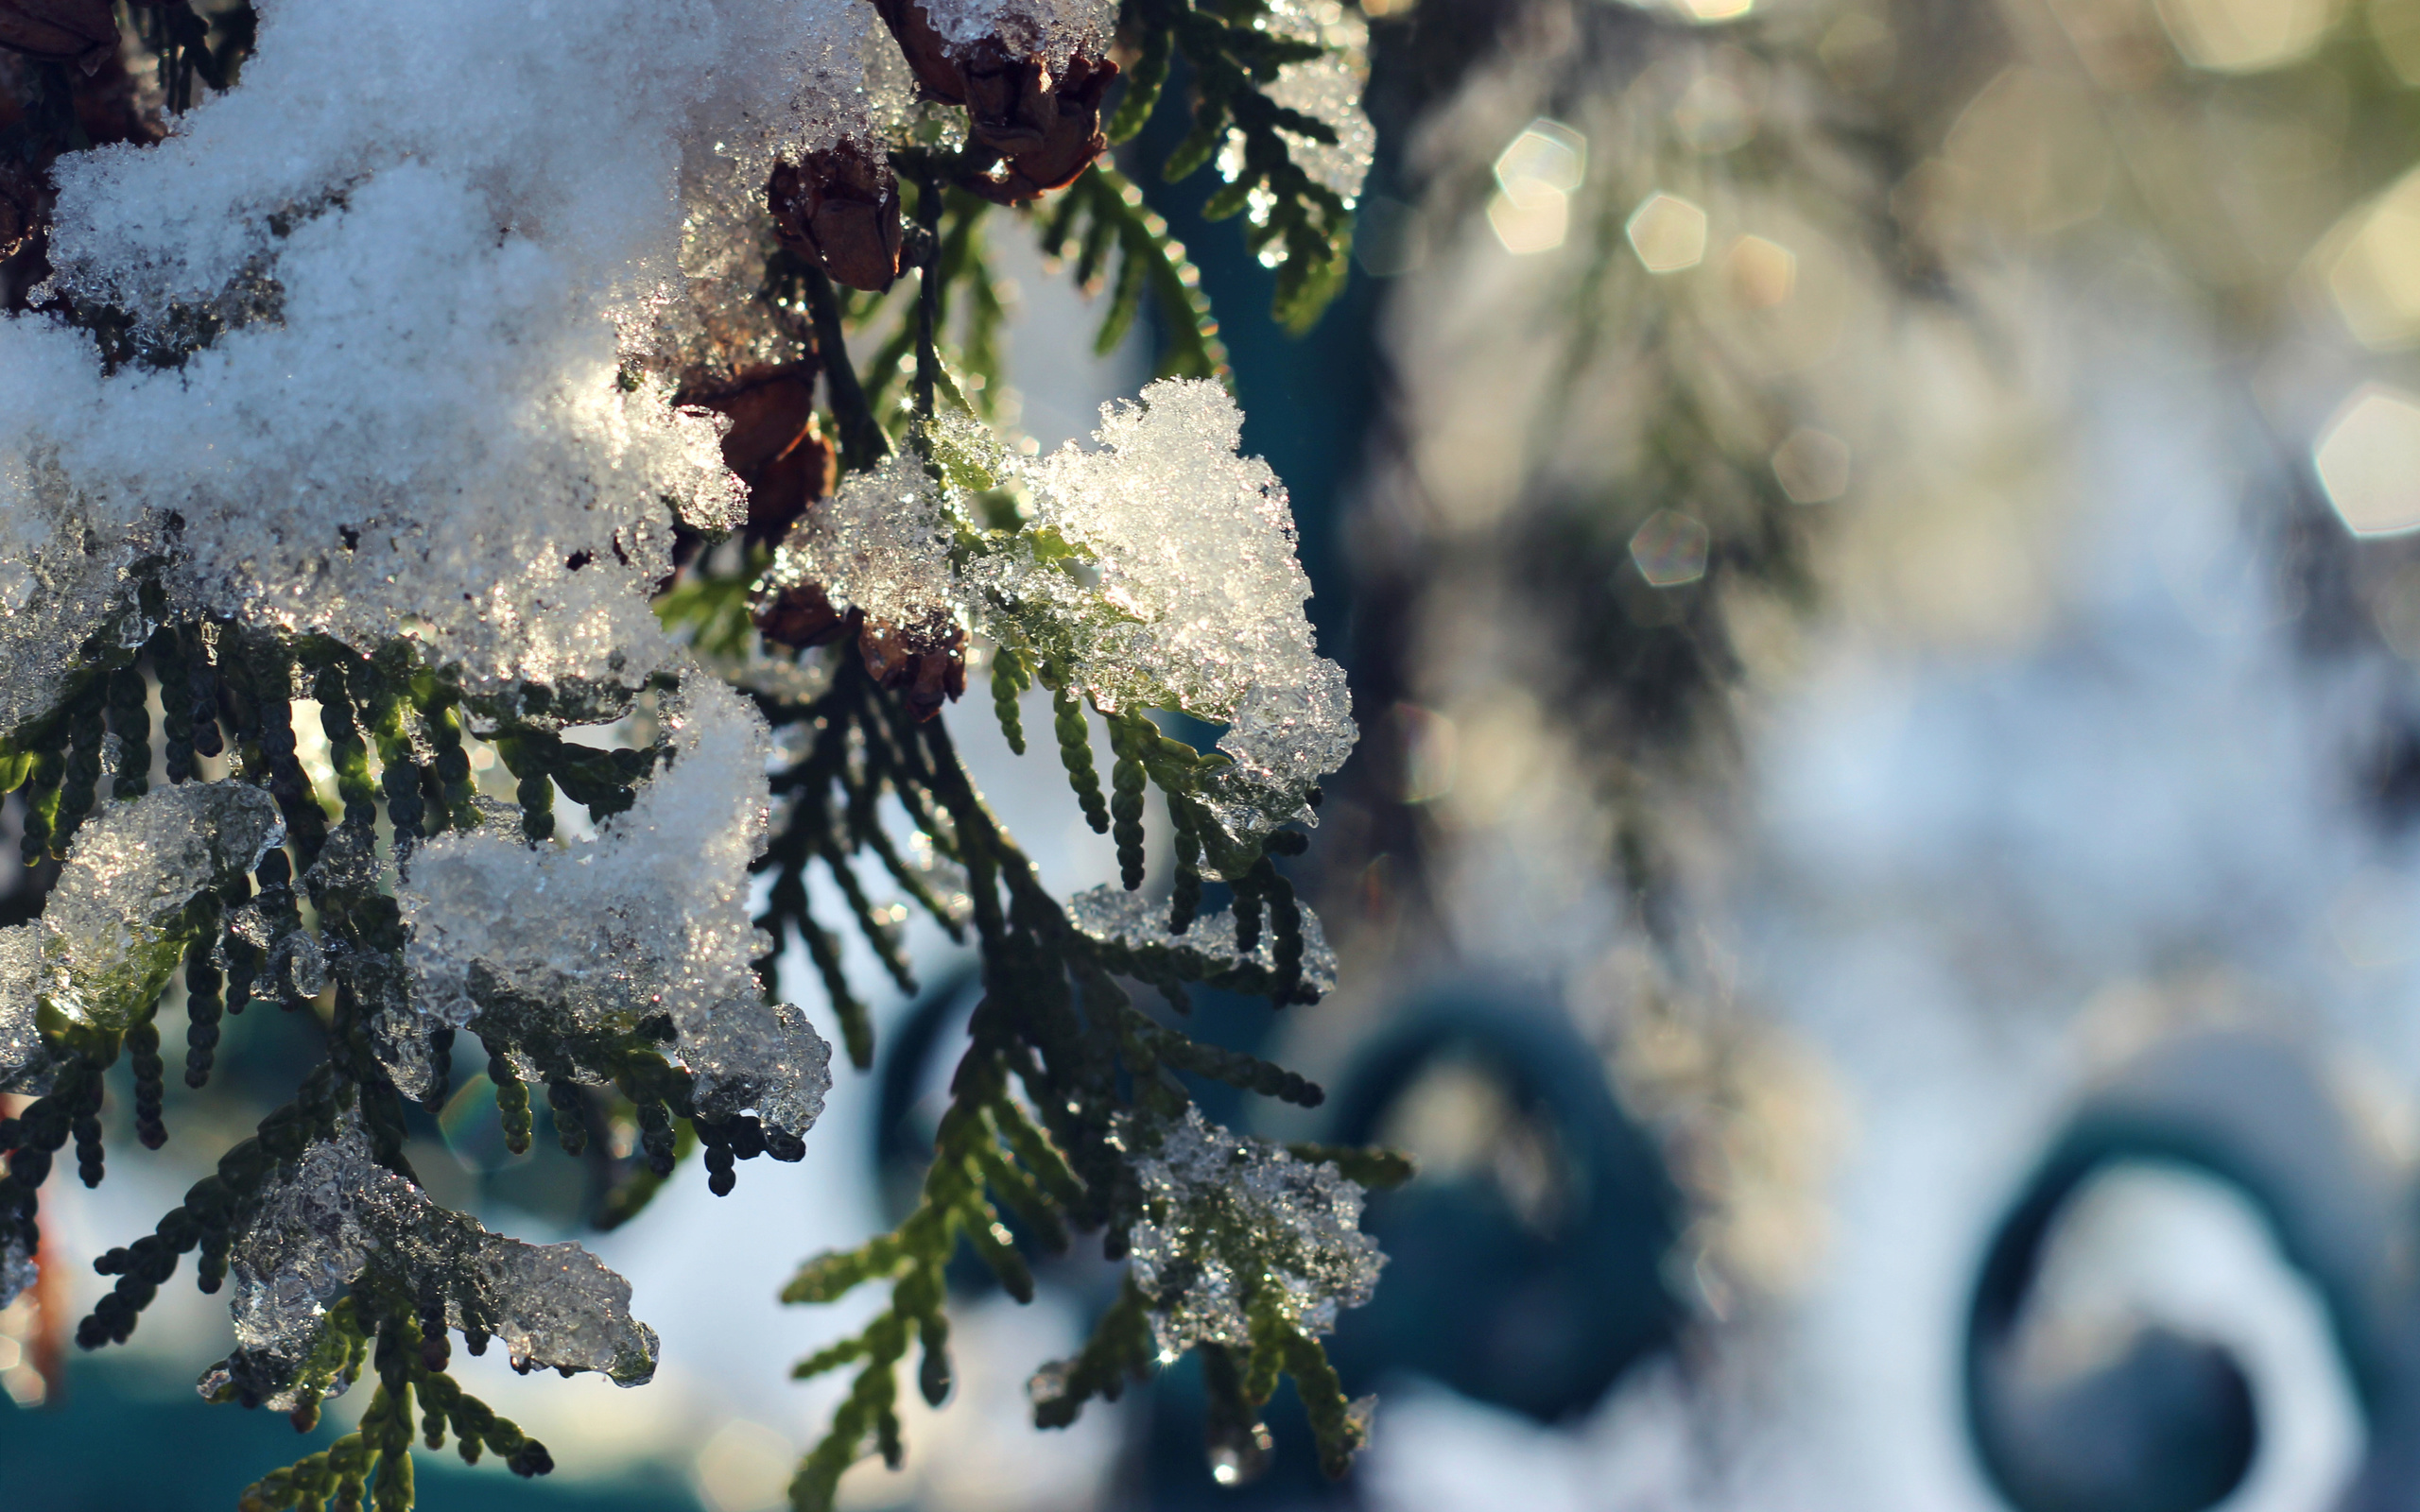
(414, 421)
(1228, 1219)
(649, 916)
(1140, 928)
(1191, 594)
(339, 1213)
(109, 931)
(1051, 29)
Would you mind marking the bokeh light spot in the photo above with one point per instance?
(1536, 178)
(1670, 549)
(1548, 154)
(1431, 748)
(1713, 114)
(2372, 266)
(1761, 273)
(2368, 458)
(2245, 36)
(744, 1467)
(1667, 232)
(1812, 466)
(1535, 221)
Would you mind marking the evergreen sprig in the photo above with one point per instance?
(1299, 225)
(1060, 1064)
(1103, 213)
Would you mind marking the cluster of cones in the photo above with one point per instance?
(778, 450)
(1032, 130)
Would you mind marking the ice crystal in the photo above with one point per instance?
(1051, 29)
(881, 544)
(58, 585)
(339, 1213)
(651, 917)
(112, 928)
(1234, 1228)
(1189, 591)
(1328, 90)
(1138, 928)
(26, 1063)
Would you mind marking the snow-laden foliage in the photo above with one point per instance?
(1155, 570)
(436, 377)
(1298, 1256)
(341, 1213)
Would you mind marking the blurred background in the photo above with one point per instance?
(1880, 881)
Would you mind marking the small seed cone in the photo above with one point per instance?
(841, 209)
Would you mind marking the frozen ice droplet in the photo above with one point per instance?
(1136, 934)
(25, 1064)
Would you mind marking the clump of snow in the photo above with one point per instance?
(880, 544)
(1231, 1225)
(1053, 31)
(1197, 598)
(421, 287)
(649, 918)
(58, 585)
(1155, 570)
(339, 1212)
(1328, 90)
(24, 1061)
(111, 930)
(1137, 930)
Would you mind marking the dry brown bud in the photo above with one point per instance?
(799, 616)
(841, 208)
(927, 661)
(1068, 140)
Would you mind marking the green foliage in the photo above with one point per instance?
(1300, 225)
(1060, 1066)
(375, 1461)
(229, 693)
(1103, 213)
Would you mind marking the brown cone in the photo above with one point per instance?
(927, 661)
(800, 616)
(1045, 129)
(841, 208)
(1070, 139)
(774, 444)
